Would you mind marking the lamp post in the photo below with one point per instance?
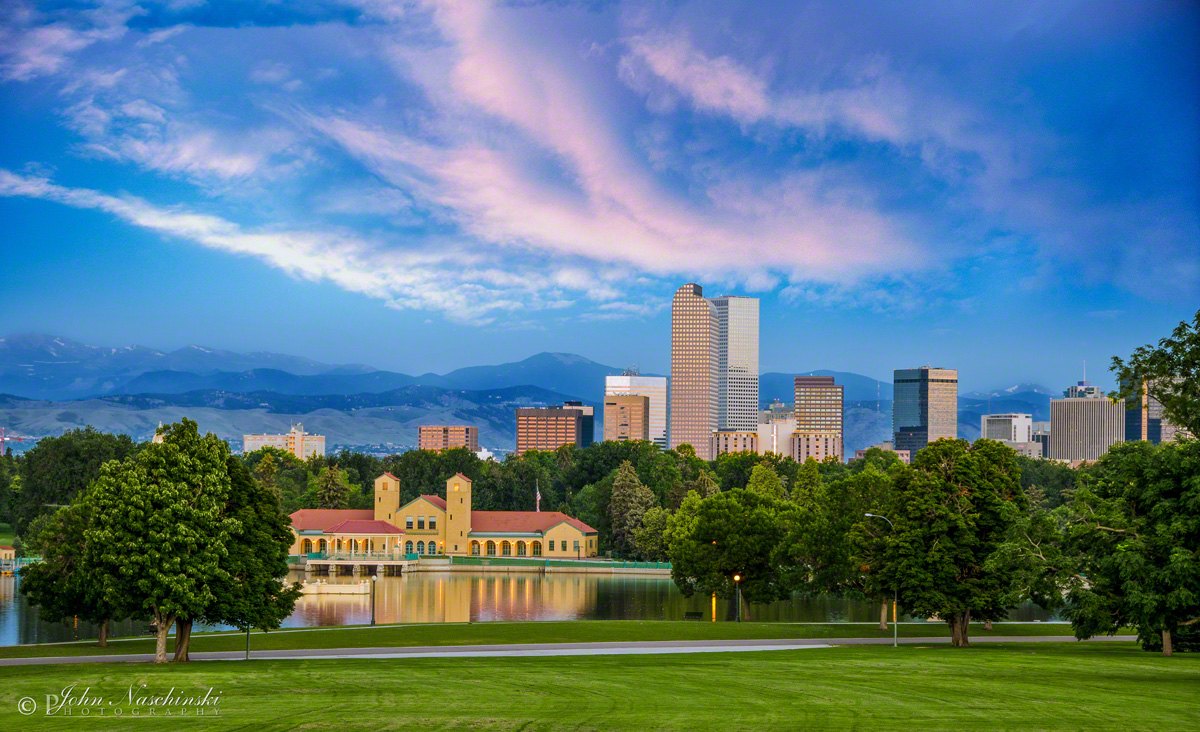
(737, 582)
(373, 578)
(895, 591)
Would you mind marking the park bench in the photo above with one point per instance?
(693, 616)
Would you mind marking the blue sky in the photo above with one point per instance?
(1006, 188)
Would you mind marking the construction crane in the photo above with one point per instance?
(7, 438)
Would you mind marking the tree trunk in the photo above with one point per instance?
(103, 641)
(987, 625)
(183, 638)
(1166, 643)
(163, 623)
(883, 608)
(959, 622)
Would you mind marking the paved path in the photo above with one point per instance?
(546, 649)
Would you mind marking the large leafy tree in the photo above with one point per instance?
(650, 539)
(59, 468)
(710, 540)
(950, 517)
(158, 533)
(1169, 372)
(1136, 531)
(765, 482)
(332, 488)
(251, 590)
(630, 502)
(64, 584)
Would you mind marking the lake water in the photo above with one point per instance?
(435, 597)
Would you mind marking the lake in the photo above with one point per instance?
(436, 597)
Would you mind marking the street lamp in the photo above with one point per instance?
(895, 591)
(737, 582)
(373, 578)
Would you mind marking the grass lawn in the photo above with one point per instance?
(7, 535)
(1051, 686)
(574, 631)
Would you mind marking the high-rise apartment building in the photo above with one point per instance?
(447, 437)
(654, 388)
(1007, 427)
(548, 428)
(925, 407)
(723, 441)
(820, 418)
(693, 370)
(627, 417)
(737, 362)
(587, 421)
(297, 441)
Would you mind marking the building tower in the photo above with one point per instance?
(694, 371)
(737, 362)
(925, 407)
(1084, 424)
(819, 419)
(387, 497)
(458, 514)
(654, 388)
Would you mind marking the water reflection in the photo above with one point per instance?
(437, 597)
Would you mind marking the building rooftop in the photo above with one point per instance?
(523, 521)
(319, 519)
(359, 526)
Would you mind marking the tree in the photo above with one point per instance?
(630, 501)
(251, 591)
(332, 488)
(765, 482)
(735, 532)
(704, 485)
(650, 539)
(1136, 530)
(59, 468)
(808, 480)
(157, 534)
(63, 584)
(950, 519)
(1170, 373)
(265, 472)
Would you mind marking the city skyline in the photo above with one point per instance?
(933, 184)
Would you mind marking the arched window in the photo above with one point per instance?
(537, 548)
(433, 547)
(506, 549)
(475, 548)
(408, 547)
(420, 547)
(520, 548)
(306, 546)
(491, 548)
(320, 545)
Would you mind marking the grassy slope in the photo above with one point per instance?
(996, 687)
(575, 631)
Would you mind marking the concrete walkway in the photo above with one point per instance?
(544, 649)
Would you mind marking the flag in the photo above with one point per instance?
(539, 497)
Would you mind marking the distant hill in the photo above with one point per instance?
(782, 386)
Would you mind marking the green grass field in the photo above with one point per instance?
(575, 631)
(1052, 686)
(7, 535)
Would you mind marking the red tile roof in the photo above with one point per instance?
(319, 519)
(5, 546)
(390, 476)
(436, 500)
(523, 521)
(358, 526)
(460, 475)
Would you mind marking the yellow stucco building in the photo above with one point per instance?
(432, 524)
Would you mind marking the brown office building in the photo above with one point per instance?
(548, 428)
(627, 417)
(819, 419)
(447, 437)
(693, 370)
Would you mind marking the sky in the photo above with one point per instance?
(1007, 188)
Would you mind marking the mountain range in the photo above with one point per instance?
(57, 384)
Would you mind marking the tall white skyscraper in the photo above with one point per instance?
(653, 387)
(737, 362)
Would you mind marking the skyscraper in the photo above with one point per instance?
(1144, 420)
(693, 370)
(1084, 427)
(626, 417)
(737, 362)
(652, 387)
(925, 407)
(819, 419)
(547, 428)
